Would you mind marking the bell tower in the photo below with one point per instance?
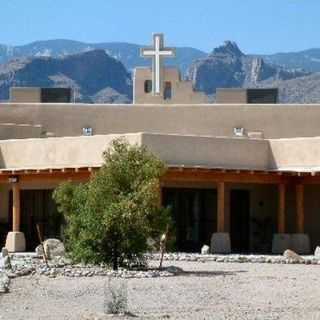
(159, 84)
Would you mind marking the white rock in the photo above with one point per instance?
(292, 256)
(317, 252)
(205, 249)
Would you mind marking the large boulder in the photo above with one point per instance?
(292, 256)
(52, 247)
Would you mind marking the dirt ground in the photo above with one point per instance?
(208, 290)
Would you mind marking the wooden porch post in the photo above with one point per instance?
(16, 215)
(282, 208)
(222, 223)
(300, 207)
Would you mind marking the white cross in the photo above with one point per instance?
(157, 53)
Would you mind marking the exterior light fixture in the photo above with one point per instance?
(87, 131)
(13, 179)
(238, 132)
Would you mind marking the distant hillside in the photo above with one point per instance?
(93, 75)
(128, 54)
(228, 67)
(308, 59)
(300, 90)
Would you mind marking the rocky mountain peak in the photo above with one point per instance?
(227, 66)
(228, 48)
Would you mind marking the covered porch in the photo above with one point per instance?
(260, 211)
(250, 206)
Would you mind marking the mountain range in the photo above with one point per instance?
(94, 76)
(127, 53)
(102, 72)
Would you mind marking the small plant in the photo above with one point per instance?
(116, 296)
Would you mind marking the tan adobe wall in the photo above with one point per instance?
(227, 153)
(182, 91)
(25, 94)
(231, 96)
(20, 131)
(274, 121)
(56, 152)
(206, 151)
(295, 153)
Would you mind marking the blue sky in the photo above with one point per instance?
(258, 26)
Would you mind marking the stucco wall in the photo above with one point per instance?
(233, 153)
(56, 152)
(275, 121)
(295, 153)
(182, 91)
(215, 152)
(207, 151)
(19, 131)
(25, 94)
(231, 96)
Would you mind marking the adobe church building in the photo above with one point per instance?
(244, 177)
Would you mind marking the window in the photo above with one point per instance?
(167, 94)
(147, 86)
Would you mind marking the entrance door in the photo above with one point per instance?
(194, 215)
(240, 220)
(38, 207)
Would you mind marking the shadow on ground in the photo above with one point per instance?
(210, 273)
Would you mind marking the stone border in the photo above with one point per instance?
(24, 265)
(233, 258)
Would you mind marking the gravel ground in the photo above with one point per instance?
(207, 290)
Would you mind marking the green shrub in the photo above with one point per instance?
(110, 218)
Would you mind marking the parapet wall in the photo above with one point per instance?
(63, 120)
(176, 150)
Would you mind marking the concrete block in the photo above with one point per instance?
(220, 243)
(300, 243)
(280, 243)
(16, 242)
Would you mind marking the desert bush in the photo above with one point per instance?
(110, 218)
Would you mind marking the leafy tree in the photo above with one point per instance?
(111, 217)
